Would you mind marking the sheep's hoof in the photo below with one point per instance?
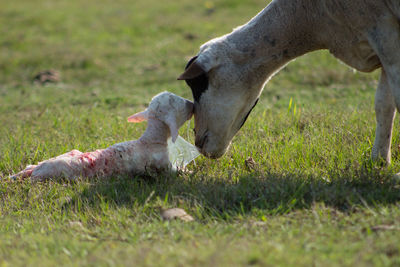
(396, 177)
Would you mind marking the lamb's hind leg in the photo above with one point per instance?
(27, 172)
(385, 113)
(385, 40)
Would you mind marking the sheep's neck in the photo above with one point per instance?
(281, 32)
(157, 132)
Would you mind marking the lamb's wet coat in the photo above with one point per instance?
(147, 155)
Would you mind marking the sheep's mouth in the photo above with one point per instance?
(209, 145)
(201, 141)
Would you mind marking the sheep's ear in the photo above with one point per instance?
(173, 128)
(139, 117)
(192, 70)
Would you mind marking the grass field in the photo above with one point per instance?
(313, 197)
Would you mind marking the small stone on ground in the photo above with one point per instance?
(47, 76)
(175, 213)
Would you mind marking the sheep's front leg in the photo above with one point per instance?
(385, 40)
(385, 113)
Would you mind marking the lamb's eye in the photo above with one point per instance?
(194, 130)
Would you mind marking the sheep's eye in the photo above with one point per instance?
(198, 85)
(194, 130)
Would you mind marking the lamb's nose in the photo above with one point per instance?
(199, 142)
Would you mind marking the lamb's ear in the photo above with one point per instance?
(193, 70)
(139, 117)
(173, 128)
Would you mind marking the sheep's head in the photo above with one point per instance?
(225, 89)
(169, 108)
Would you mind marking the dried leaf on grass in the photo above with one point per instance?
(250, 164)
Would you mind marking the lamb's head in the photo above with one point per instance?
(225, 89)
(169, 108)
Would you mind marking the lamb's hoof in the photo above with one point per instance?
(13, 178)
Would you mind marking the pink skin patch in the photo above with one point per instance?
(89, 158)
(74, 153)
(97, 163)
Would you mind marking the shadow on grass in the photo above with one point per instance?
(229, 197)
(226, 197)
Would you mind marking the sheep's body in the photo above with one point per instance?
(148, 154)
(229, 73)
(347, 28)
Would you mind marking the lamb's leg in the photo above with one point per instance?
(74, 164)
(96, 163)
(27, 172)
(385, 113)
(385, 40)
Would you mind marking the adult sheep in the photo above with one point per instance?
(229, 73)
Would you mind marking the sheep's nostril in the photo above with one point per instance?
(199, 142)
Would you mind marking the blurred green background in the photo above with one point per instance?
(312, 197)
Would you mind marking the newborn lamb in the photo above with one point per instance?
(166, 113)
